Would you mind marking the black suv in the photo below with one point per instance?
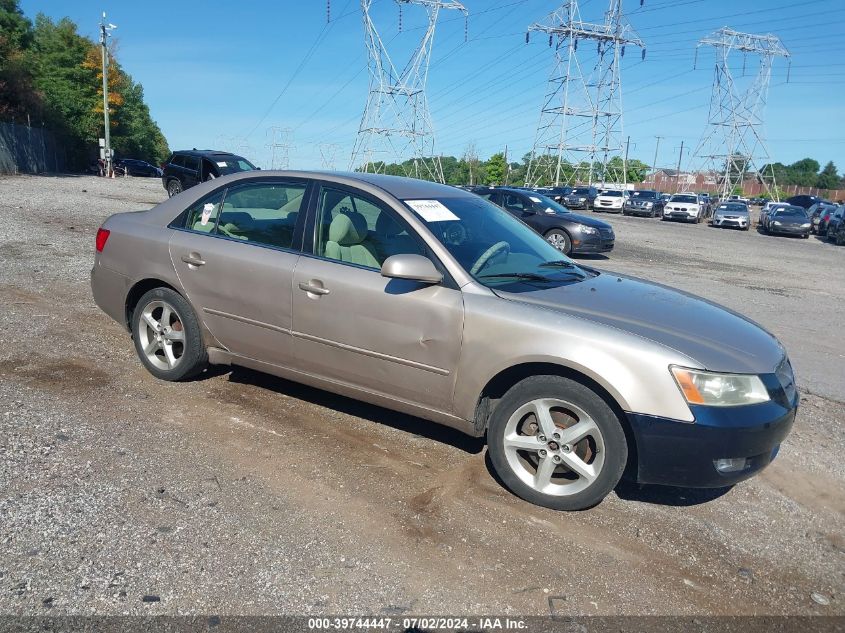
(566, 231)
(186, 168)
(581, 198)
(644, 202)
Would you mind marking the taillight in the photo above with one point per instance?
(102, 237)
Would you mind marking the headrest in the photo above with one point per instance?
(348, 229)
(387, 226)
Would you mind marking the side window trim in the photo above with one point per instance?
(309, 237)
(296, 240)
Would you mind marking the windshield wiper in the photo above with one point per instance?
(558, 263)
(528, 276)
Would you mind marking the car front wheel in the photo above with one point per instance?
(167, 335)
(556, 443)
(174, 187)
(560, 240)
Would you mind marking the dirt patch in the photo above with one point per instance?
(64, 375)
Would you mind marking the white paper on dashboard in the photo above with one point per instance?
(432, 210)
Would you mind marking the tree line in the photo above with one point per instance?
(498, 170)
(51, 75)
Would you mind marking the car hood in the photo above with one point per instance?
(792, 221)
(716, 337)
(691, 205)
(585, 220)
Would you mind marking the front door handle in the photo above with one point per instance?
(314, 290)
(193, 259)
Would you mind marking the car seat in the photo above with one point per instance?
(348, 240)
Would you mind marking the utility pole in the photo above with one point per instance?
(625, 161)
(733, 143)
(105, 28)
(678, 170)
(507, 166)
(654, 162)
(581, 116)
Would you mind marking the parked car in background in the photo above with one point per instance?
(555, 193)
(135, 167)
(805, 201)
(665, 196)
(732, 215)
(789, 220)
(706, 205)
(683, 206)
(645, 202)
(834, 221)
(767, 210)
(186, 168)
(837, 235)
(757, 201)
(580, 198)
(566, 231)
(611, 200)
(820, 213)
(431, 301)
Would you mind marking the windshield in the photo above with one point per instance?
(232, 164)
(683, 199)
(795, 213)
(611, 194)
(493, 246)
(583, 191)
(644, 194)
(733, 208)
(542, 203)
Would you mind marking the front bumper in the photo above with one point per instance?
(638, 209)
(788, 230)
(612, 207)
(686, 216)
(576, 204)
(675, 453)
(594, 244)
(738, 223)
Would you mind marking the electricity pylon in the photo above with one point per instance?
(279, 143)
(580, 129)
(733, 145)
(328, 155)
(396, 125)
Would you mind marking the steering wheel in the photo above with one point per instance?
(498, 248)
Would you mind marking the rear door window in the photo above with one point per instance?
(263, 213)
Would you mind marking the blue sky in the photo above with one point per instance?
(216, 73)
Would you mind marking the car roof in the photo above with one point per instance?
(204, 152)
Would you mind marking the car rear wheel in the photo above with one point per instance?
(167, 335)
(560, 240)
(556, 443)
(174, 187)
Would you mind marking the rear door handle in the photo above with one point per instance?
(314, 290)
(193, 260)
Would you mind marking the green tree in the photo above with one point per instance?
(496, 168)
(829, 178)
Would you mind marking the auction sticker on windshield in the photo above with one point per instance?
(432, 210)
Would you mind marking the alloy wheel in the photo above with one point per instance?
(161, 335)
(554, 447)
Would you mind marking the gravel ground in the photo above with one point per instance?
(120, 494)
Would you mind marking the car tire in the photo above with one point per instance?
(573, 476)
(167, 335)
(560, 240)
(174, 187)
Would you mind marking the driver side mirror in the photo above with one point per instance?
(413, 267)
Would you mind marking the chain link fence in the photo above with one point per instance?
(29, 150)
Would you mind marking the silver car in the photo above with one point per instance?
(432, 301)
(733, 215)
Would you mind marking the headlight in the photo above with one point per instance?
(648, 205)
(582, 199)
(806, 225)
(588, 230)
(776, 223)
(719, 390)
